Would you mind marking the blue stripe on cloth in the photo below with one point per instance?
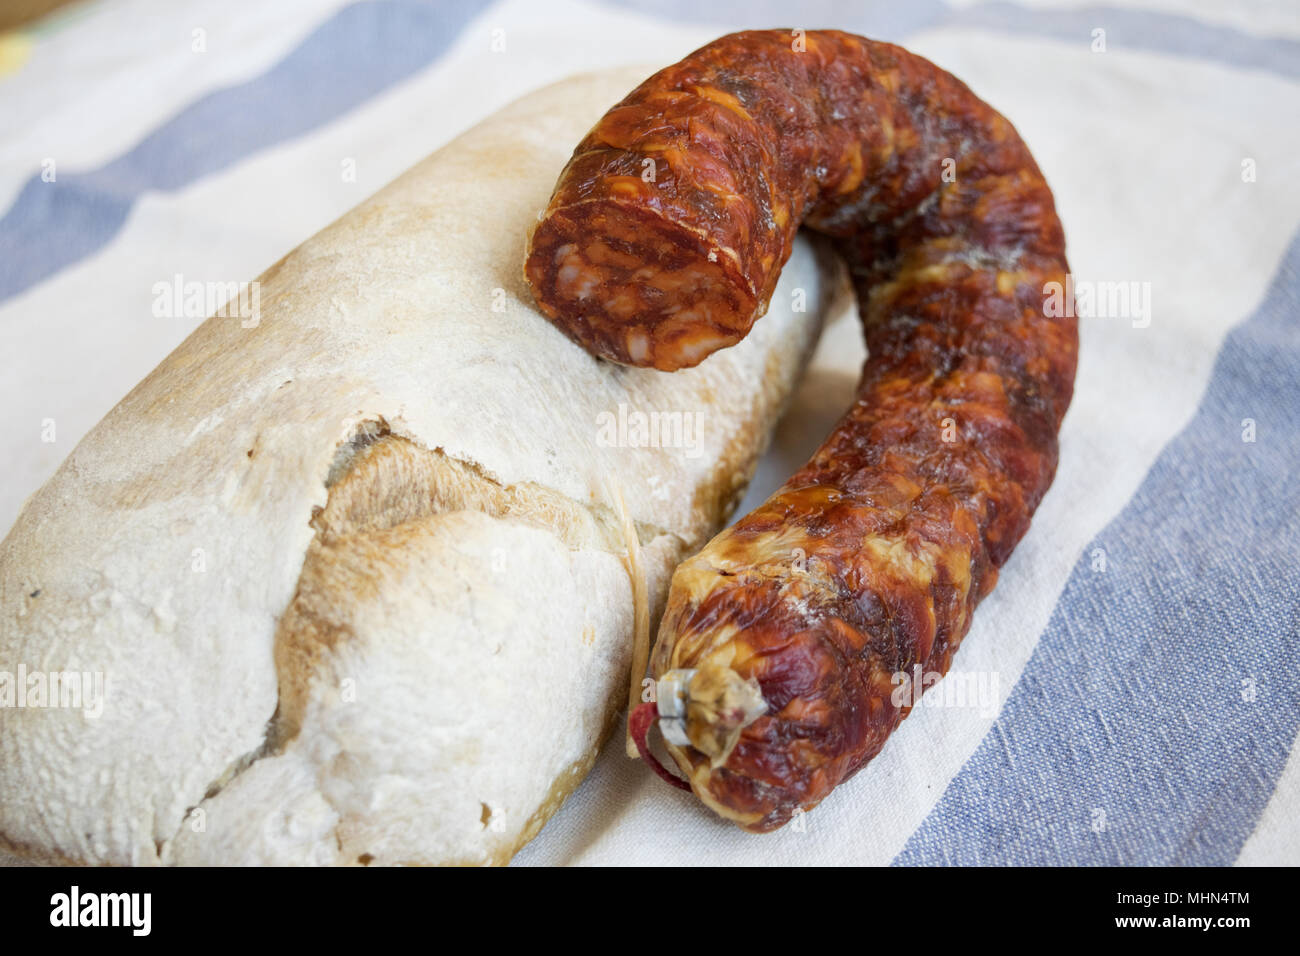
(890, 20)
(1147, 30)
(882, 19)
(356, 54)
(368, 47)
(1136, 701)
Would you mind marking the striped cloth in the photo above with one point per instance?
(1132, 688)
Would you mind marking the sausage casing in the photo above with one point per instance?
(662, 243)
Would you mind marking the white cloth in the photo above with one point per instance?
(1170, 140)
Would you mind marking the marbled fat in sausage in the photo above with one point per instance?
(663, 242)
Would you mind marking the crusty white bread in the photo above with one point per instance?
(353, 575)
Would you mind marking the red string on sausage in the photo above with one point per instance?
(639, 722)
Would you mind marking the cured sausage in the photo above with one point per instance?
(784, 639)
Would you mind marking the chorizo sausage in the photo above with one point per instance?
(662, 243)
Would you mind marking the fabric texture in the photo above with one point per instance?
(1130, 692)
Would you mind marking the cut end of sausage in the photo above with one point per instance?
(635, 288)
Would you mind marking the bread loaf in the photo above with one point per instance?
(352, 573)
